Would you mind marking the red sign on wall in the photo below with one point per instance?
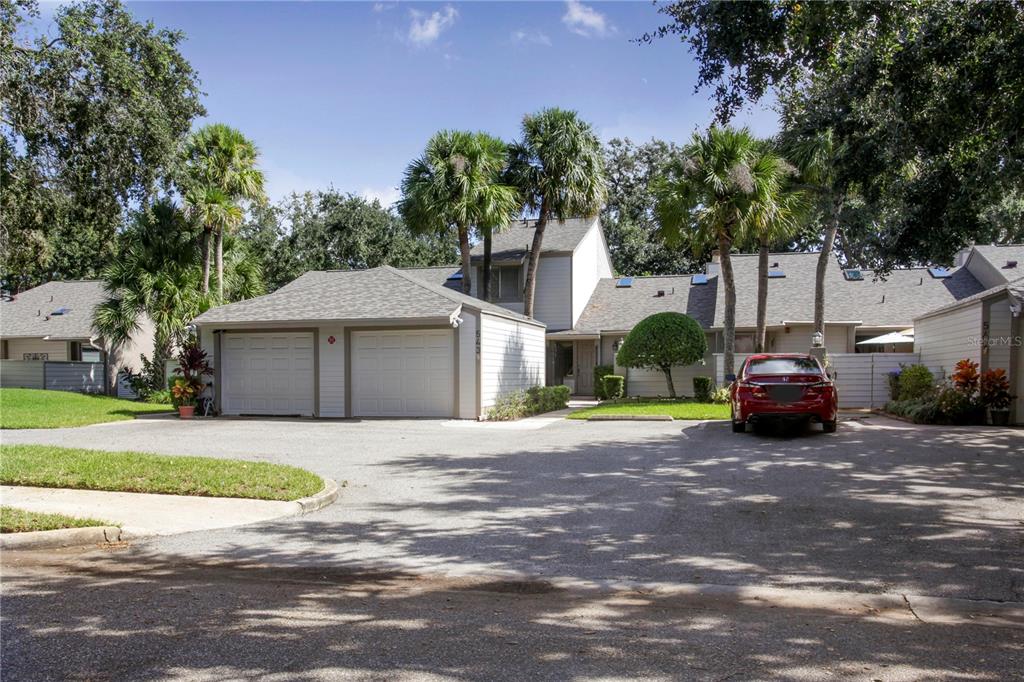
(331, 340)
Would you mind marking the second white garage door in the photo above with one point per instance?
(268, 373)
(404, 373)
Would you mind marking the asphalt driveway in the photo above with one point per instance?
(882, 506)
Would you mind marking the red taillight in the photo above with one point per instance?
(817, 390)
(756, 390)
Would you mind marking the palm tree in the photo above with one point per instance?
(775, 214)
(559, 169)
(456, 184)
(710, 192)
(817, 157)
(221, 169)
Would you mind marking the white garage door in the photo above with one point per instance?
(268, 373)
(402, 373)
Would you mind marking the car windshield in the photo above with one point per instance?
(783, 366)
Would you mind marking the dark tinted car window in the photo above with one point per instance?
(783, 366)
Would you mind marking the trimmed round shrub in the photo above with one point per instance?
(663, 341)
(916, 382)
(614, 386)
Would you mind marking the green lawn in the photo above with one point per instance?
(29, 408)
(20, 521)
(677, 409)
(54, 467)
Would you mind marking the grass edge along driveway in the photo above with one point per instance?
(13, 520)
(47, 466)
(677, 409)
(30, 408)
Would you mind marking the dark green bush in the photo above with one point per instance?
(702, 389)
(916, 382)
(663, 341)
(614, 386)
(534, 400)
(600, 372)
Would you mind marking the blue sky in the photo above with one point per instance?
(346, 94)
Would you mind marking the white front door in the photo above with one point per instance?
(268, 373)
(403, 373)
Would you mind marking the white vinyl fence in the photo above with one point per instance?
(82, 377)
(862, 379)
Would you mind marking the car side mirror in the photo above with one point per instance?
(730, 378)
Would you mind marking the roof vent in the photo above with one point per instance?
(661, 292)
(699, 279)
(60, 311)
(776, 274)
(775, 264)
(939, 273)
(624, 283)
(1010, 264)
(853, 275)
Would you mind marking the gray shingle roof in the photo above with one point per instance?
(895, 301)
(1014, 287)
(613, 308)
(382, 293)
(514, 241)
(26, 315)
(437, 275)
(998, 255)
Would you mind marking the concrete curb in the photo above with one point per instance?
(62, 537)
(630, 418)
(328, 495)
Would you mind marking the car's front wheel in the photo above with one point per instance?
(829, 427)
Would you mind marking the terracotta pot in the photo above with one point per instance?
(186, 411)
(1000, 417)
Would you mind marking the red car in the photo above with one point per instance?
(782, 386)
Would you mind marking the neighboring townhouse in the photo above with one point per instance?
(984, 327)
(53, 323)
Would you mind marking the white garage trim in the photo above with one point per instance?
(404, 402)
(281, 407)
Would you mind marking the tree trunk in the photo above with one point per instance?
(729, 282)
(823, 258)
(668, 378)
(762, 297)
(206, 261)
(534, 262)
(485, 284)
(220, 266)
(467, 264)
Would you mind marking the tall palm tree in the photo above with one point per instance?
(817, 157)
(456, 184)
(221, 169)
(710, 192)
(559, 169)
(775, 214)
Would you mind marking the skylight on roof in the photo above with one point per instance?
(939, 273)
(60, 311)
(776, 274)
(853, 275)
(455, 275)
(699, 279)
(624, 283)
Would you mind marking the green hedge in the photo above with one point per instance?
(534, 400)
(614, 386)
(916, 382)
(702, 387)
(600, 372)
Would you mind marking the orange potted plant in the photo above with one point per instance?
(995, 395)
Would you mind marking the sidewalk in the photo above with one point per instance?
(144, 514)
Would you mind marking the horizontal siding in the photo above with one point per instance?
(553, 301)
(332, 371)
(589, 264)
(944, 340)
(55, 350)
(651, 382)
(83, 377)
(511, 357)
(21, 374)
(798, 340)
(467, 335)
(999, 335)
(862, 379)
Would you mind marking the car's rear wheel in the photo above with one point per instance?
(829, 427)
(739, 427)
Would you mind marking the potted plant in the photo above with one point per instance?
(995, 395)
(966, 381)
(192, 365)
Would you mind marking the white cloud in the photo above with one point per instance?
(586, 21)
(525, 36)
(425, 29)
(384, 6)
(386, 196)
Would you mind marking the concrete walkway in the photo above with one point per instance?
(143, 514)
